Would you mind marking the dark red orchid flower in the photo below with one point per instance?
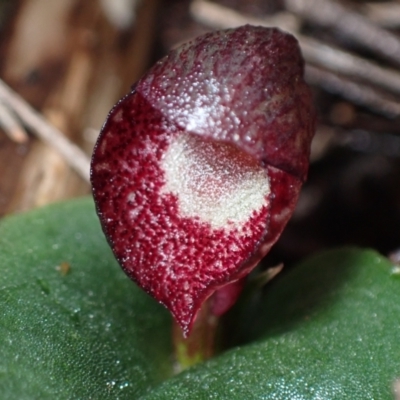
(197, 170)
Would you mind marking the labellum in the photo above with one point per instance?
(198, 169)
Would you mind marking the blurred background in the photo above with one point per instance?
(64, 63)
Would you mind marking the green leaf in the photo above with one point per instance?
(72, 325)
(328, 329)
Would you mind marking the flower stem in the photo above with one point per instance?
(200, 345)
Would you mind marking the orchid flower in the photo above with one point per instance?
(198, 169)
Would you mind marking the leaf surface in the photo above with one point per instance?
(328, 329)
(72, 325)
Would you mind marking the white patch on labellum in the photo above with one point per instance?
(214, 181)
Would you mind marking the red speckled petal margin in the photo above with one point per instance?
(178, 260)
(237, 94)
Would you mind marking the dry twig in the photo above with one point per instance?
(318, 53)
(355, 26)
(313, 50)
(76, 158)
(218, 16)
(11, 126)
(359, 94)
(345, 63)
(385, 14)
